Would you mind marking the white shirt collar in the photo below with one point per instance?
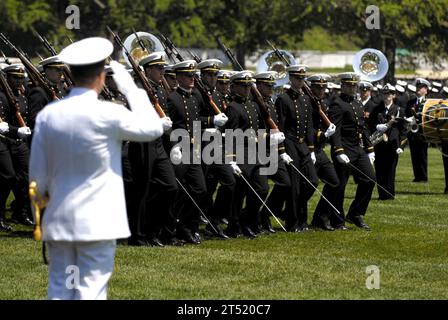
(365, 101)
(389, 105)
(78, 91)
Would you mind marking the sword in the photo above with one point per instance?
(304, 177)
(262, 201)
(351, 165)
(197, 206)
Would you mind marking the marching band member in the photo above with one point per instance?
(417, 142)
(387, 152)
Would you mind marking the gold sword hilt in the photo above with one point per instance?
(38, 205)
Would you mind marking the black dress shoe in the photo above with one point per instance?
(304, 227)
(218, 233)
(233, 233)
(258, 231)
(247, 232)
(137, 242)
(268, 228)
(198, 237)
(155, 242)
(293, 229)
(188, 237)
(341, 228)
(358, 221)
(5, 227)
(22, 219)
(203, 220)
(224, 221)
(323, 226)
(173, 242)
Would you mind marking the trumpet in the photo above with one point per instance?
(411, 124)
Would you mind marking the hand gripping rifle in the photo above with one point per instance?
(314, 100)
(139, 73)
(165, 84)
(34, 74)
(67, 74)
(255, 93)
(199, 84)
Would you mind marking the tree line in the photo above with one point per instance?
(244, 25)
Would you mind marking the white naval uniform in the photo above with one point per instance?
(76, 159)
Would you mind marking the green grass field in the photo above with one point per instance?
(409, 244)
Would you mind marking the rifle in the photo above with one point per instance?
(67, 74)
(167, 51)
(165, 84)
(40, 57)
(255, 93)
(199, 84)
(139, 73)
(314, 100)
(194, 55)
(34, 74)
(5, 58)
(12, 100)
(172, 50)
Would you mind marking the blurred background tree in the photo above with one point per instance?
(327, 25)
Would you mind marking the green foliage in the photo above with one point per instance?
(317, 38)
(419, 26)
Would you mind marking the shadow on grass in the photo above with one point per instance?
(17, 234)
(421, 193)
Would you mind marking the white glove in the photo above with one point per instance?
(220, 119)
(381, 127)
(23, 132)
(313, 157)
(342, 158)
(286, 158)
(176, 155)
(166, 123)
(330, 130)
(411, 119)
(277, 138)
(4, 127)
(399, 151)
(371, 157)
(123, 79)
(235, 168)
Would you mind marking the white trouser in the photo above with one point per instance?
(80, 270)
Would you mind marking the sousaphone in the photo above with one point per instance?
(370, 64)
(269, 61)
(150, 41)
